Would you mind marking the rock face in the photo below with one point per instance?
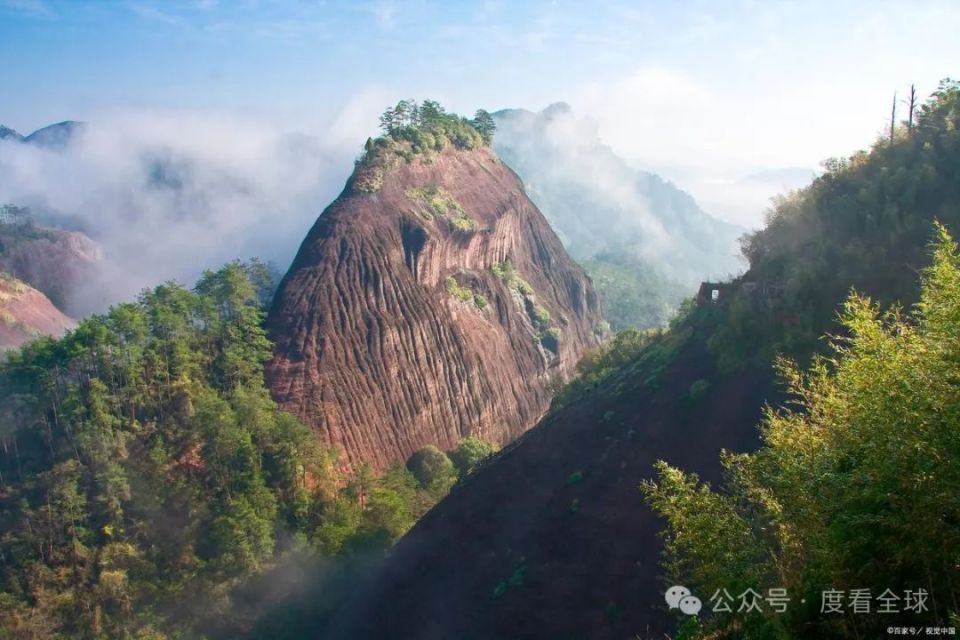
(55, 261)
(439, 306)
(25, 314)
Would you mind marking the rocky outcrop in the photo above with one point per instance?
(55, 261)
(440, 305)
(25, 314)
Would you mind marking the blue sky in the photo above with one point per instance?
(702, 91)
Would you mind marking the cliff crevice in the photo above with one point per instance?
(394, 330)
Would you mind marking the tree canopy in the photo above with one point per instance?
(855, 488)
(147, 479)
(863, 223)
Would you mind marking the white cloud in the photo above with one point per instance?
(170, 193)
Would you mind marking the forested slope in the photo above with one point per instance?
(567, 545)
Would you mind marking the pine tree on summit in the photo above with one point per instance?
(483, 122)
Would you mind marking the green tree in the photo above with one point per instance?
(470, 453)
(856, 486)
(431, 112)
(433, 470)
(484, 123)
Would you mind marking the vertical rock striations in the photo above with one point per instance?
(438, 306)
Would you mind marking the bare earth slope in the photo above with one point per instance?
(382, 353)
(25, 313)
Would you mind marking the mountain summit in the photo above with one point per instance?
(430, 302)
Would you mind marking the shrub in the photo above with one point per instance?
(698, 388)
(522, 286)
(457, 290)
(434, 201)
(463, 223)
(503, 270)
(470, 453)
(506, 272)
(479, 301)
(540, 317)
(550, 339)
(433, 470)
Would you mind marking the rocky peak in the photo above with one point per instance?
(428, 304)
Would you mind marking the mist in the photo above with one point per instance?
(167, 194)
(598, 203)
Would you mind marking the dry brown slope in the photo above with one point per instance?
(25, 314)
(375, 353)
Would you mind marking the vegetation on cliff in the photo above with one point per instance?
(855, 488)
(411, 129)
(434, 202)
(146, 476)
(864, 224)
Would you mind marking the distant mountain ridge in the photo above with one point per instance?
(597, 202)
(6, 133)
(54, 136)
(623, 224)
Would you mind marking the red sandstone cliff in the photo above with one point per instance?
(400, 325)
(54, 261)
(25, 314)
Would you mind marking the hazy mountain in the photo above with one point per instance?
(645, 241)
(7, 133)
(59, 263)
(786, 178)
(56, 136)
(168, 194)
